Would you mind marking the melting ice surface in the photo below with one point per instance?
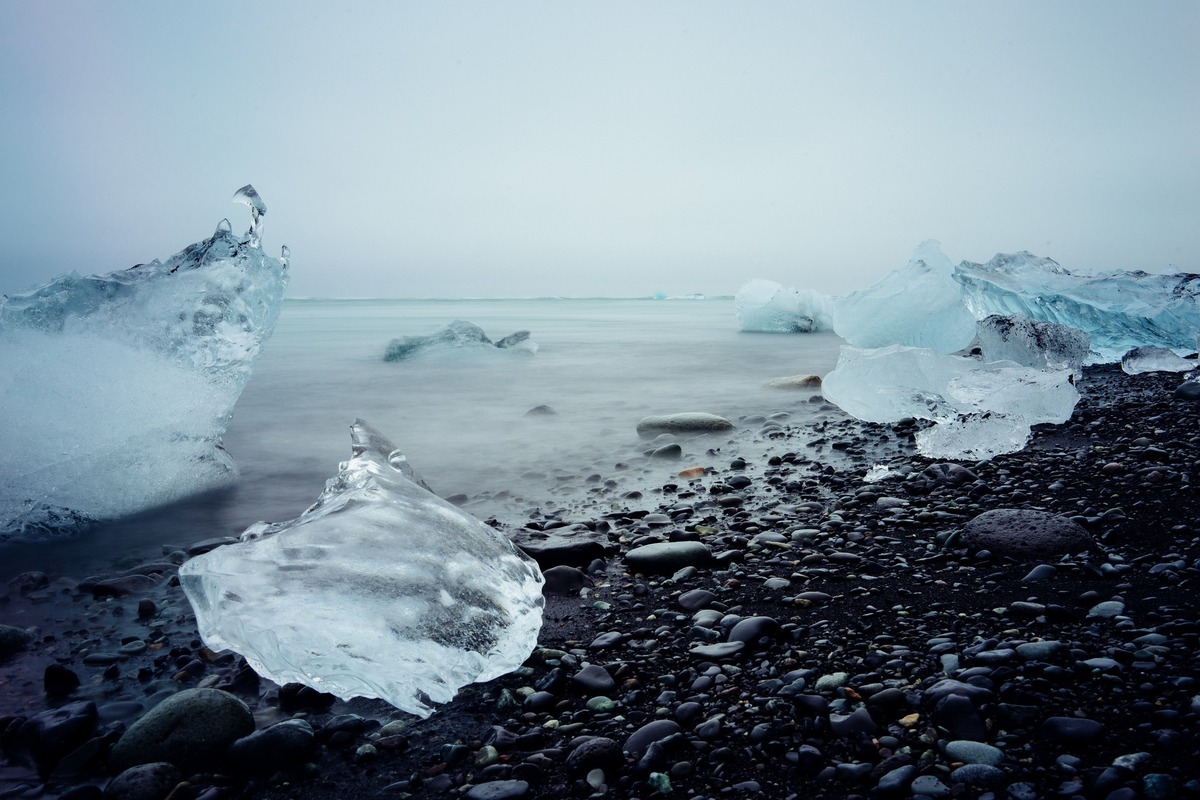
(115, 389)
(1117, 310)
(982, 409)
(380, 589)
(767, 307)
(919, 305)
(458, 335)
(1154, 359)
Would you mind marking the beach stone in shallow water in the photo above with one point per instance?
(190, 729)
(690, 422)
(1022, 532)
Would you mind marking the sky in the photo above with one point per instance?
(514, 149)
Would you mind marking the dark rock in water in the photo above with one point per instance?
(688, 422)
(666, 557)
(564, 580)
(13, 640)
(144, 782)
(1022, 532)
(949, 473)
(28, 582)
(670, 451)
(298, 697)
(190, 729)
(641, 739)
(285, 745)
(541, 411)
(572, 547)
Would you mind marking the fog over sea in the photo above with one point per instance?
(460, 415)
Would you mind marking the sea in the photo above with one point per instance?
(462, 416)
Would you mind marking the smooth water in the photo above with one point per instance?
(460, 416)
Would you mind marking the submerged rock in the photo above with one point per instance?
(687, 422)
(380, 589)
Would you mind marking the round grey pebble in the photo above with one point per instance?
(1024, 532)
(498, 790)
(190, 729)
(152, 781)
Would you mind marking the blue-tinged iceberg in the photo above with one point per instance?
(764, 306)
(115, 389)
(1118, 310)
(981, 409)
(380, 589)
(917, 306)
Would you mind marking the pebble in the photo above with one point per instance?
(667, 557)
(144, 782)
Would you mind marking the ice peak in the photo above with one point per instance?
(258, 209)
(223, 227)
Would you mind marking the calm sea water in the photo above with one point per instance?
(461, 416)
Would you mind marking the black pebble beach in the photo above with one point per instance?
(1020, 628)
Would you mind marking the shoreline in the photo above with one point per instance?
(874, 641)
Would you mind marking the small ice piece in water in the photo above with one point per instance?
(1155, 359)
(459, 335)
(1045, 345)
(115, 389)
(768, 307)
(919, 305)
(380, 589)
(1118, 310)
(982, 410)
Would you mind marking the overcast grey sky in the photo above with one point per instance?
(605, 148)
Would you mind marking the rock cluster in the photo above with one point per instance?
(765, 624)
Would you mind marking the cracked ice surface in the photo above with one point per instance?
(981, 409)
(1117, 310)
(380, 589)
(115, 389)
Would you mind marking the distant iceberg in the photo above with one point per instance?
(459, 335)
(1118, 310)
(115, 389)
(380, 589)
(764, 306)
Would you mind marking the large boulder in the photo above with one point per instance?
(191, 730)
(1022, 532)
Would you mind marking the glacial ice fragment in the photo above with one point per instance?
(1118, 310)
(459, 335)
(767, 307)
(1045, 345)
(981, 409)
(380, 589)
(1155, 359)
(918, 306)
(115, 389)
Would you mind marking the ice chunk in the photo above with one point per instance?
(459, 335)
(981, 409)
(1045, 345)
(380, 589)
(1154, 359)
(1118, 310)
(115, 389)
(768, 307)
(918, 306)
